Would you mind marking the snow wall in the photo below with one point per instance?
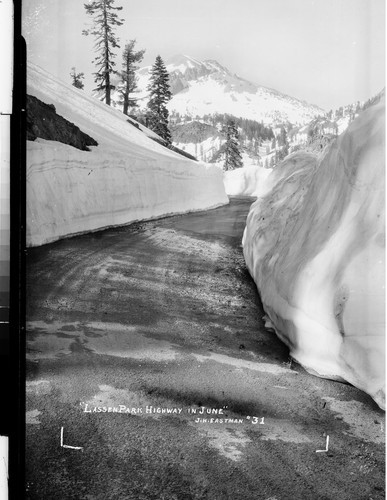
(127, 177)
(315, 246)
(251, 180)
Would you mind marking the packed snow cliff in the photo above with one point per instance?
(250, 180)
(315, 246)
(127, 177)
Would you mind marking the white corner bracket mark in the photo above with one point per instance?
(66, 445)
(326, 447)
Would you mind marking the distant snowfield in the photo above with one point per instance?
(315, 247)
(250, 180)
(127, 177)
(209, 96)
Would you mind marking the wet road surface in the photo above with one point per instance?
(137, 337)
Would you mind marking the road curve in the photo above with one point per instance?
(138, 336)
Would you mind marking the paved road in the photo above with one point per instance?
(137, 335)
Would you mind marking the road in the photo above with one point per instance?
(136, 335)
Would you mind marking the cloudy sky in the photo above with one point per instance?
(327, 52)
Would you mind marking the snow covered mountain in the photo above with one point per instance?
(206, 87)
(122, 177)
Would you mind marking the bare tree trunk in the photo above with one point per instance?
(107, 73)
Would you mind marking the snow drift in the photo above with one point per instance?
(250, 180)
(127, 177)
(315, 248)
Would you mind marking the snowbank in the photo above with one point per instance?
(127, 177)
(315, 247)
(251, 180)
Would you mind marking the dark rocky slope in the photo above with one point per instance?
(44, 122)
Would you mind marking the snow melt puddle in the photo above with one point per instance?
(126, 343)
(110, 400)
(111, 397)
(242, 363)
(52, 340)
(38, 387)
(364, 423)
(169, 239)
(228, 442)
(284, 431)
(32, 417)
(48, 347)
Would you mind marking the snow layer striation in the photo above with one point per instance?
(315, 246)
(127, 177)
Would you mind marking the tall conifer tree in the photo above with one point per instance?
(283, 143)
(160, 94)
(128, 76)
(104, 22)
(232, 155)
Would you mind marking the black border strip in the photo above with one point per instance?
(16, 406)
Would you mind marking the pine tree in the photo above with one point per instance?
(128, 76)
(77, 78)
(283, 143)
(104, 22)
(160, 94)
(233, 157)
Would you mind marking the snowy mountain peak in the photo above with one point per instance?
(207, 87)
(213, 65)
(181, 63)
(193, 68)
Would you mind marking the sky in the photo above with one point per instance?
(326, 52)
